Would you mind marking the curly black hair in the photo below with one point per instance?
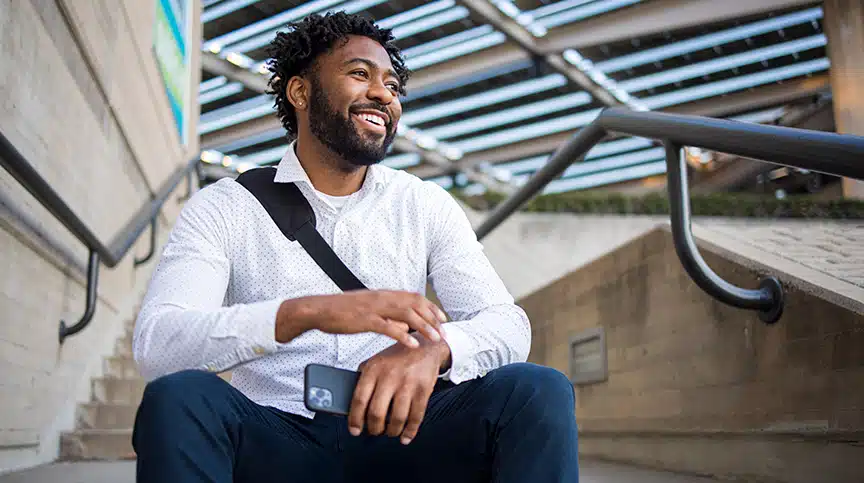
(294, 51)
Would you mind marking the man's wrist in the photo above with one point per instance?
(445, 358)
(441, 348)
(294, 317)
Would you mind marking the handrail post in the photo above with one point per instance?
(153, 224)
(768, 299)
(188, 194)
(90, 309)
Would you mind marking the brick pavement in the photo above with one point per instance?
(835, 248)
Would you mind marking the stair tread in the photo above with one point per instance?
(99, 432)
(95, 404)
(109, 377)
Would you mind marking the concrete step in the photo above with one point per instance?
(123, 367)
(118, 390)
(96, 444)
(123, 348)
(124, 472)
(106, 416)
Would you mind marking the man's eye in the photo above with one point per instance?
(360, 73)
(393, 87)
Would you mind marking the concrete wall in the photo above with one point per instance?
(530, 250)
(697, 386)
(81, 98)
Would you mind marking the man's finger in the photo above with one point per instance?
(430, 311)
(415, 321)
(399, 413)
(396, 330)
(360, 401)
(415, 416)
(379, 404)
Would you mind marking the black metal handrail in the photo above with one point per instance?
(20, 169)
(830, 153)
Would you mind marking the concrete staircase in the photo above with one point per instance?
(104, 425)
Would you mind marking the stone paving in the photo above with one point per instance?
(835, 248)
(124, 472)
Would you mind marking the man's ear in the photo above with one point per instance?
(298, 93)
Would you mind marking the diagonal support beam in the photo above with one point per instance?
(521, 37)
(230, 134)
(646, 18)
(217, 65)
(444, 164)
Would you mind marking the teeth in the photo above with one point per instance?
(373, 119)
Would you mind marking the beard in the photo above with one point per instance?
(341, 135)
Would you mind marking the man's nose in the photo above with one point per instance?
(381, 93)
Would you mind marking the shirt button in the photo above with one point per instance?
(259, 350)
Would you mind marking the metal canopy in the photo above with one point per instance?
(498, 85)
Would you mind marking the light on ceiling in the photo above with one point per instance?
(508, 8)
(537, 30)
(698, 158)
(426, 141)
(211, 156)
(239, 60)
(451, 152)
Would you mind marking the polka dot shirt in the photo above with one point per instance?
(226, 268)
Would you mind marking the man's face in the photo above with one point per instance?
(354, 106)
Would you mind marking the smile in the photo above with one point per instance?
(372, 122)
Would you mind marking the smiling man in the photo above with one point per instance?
(436, 399)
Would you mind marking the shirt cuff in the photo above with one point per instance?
(462, 366)
(254, 324)
(262, 332)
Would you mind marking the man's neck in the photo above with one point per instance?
(328, 173)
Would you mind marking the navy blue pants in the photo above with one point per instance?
(514, 425)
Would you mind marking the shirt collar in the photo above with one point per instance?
(291, 171)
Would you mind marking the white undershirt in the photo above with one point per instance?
(336, 201)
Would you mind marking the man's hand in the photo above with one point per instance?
(401, 377)
(391, 313)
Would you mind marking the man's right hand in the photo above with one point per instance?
(391, 313)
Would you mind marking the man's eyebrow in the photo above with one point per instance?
(371, 64)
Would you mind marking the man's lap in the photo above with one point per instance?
(456, 440)
(451, 443)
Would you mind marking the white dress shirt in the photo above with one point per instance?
(226, 269)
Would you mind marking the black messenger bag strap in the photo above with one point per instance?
(291, 212)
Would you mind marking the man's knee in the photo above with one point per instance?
(544, 390)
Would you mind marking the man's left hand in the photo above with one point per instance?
(403, 377)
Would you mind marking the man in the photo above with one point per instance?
(231, 292)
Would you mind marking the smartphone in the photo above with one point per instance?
(329, 389)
